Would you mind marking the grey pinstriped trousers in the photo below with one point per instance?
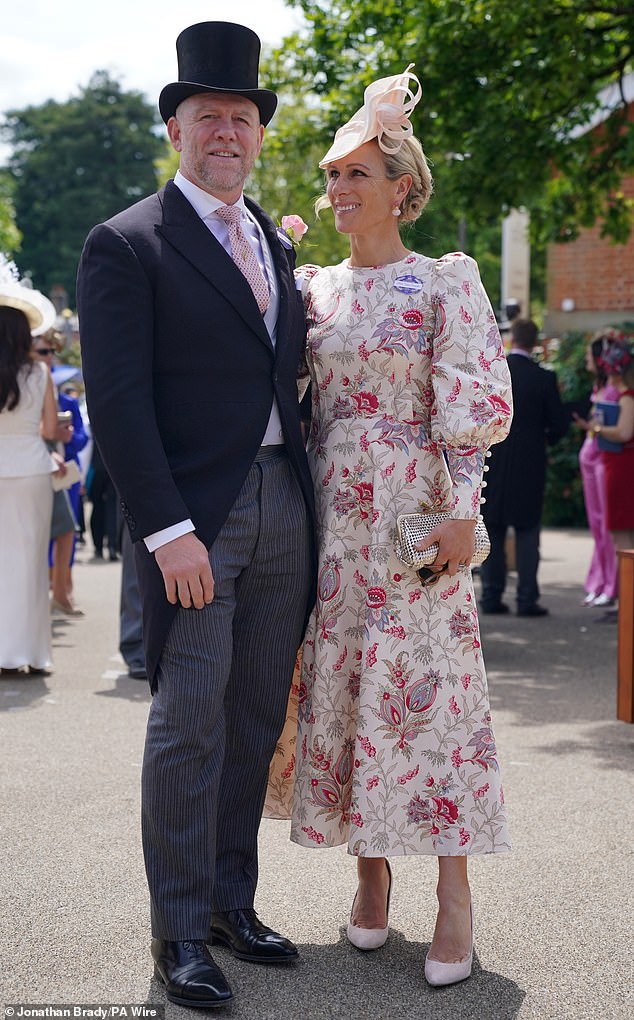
(223, 684)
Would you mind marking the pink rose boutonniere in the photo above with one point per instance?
(291, 231)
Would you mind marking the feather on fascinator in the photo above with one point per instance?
(39, 311)
(387, 105)
(616, 353)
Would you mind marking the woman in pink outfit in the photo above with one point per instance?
(601, 581)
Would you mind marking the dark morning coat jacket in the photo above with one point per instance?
(517, 466)
(180, 374)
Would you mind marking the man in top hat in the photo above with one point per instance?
(195, 356)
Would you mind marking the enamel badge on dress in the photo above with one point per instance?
(408, 284)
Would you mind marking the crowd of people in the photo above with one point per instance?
(42, 434)
(261, 511)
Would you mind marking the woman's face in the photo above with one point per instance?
(43, 350)
(361, 196)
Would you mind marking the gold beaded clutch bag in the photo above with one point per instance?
(412, 529)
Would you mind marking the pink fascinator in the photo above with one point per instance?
(387, 105)
(616, 353)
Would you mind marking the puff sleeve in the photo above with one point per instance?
(472, 401)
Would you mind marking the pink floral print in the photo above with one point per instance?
(395, 752)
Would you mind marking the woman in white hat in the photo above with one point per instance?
(395, 750)
(28, 416)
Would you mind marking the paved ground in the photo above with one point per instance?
(553, 919)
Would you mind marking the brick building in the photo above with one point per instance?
(589, 281)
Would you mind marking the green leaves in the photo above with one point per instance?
(75, 164)
(10, 236)
(511, 87)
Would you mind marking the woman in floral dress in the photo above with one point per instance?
(395, 750)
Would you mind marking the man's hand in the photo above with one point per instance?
(184, 564)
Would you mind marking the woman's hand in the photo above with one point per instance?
(583, 423)
(456, 545)
(61, 466)
(64, 432)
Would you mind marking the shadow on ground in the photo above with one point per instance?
(126, 687)
(19, 691)
(557, 670)
(369, 986)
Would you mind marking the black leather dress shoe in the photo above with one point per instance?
(494, 608)
(243, 933)
(190, 976)
(533, 610)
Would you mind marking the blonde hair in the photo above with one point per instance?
(410, 159)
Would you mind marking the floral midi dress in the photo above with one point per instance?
(395, 752)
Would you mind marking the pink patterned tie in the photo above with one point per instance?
(243, 255)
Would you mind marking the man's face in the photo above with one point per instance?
(219, 138)
(44, 350)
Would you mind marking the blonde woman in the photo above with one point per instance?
(395, 750)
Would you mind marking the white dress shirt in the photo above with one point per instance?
(206, 205)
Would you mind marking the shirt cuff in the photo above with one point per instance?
(159, 538)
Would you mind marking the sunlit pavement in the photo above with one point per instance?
(553, 919)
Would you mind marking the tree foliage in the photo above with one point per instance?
(10, 236)
(75, 164)
(509, 90)
(287, 178)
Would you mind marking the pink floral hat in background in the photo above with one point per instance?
(616, 352)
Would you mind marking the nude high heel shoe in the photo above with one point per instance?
(437, 973)
(370, 938)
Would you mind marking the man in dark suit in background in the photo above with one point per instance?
(517, 476)
(192, 332)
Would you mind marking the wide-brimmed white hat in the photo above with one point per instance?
(39, 311)
(387, 105)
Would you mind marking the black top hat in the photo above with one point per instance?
(217, 56)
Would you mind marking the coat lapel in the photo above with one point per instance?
(285, 278)
(184, 230)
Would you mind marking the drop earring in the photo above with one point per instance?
(396, 211)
